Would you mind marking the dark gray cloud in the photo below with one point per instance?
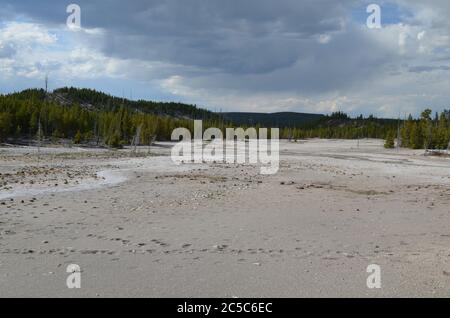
(425, 68)
(252, 36)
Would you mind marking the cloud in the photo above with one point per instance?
(424, 68)
(18, 40)
(6, 50)
(259, 55)
(254, 37)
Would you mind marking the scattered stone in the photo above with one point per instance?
(220, 247)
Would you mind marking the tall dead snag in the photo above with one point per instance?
(136, 139)
(152, 141)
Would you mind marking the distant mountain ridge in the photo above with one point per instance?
(279, 119)
(94, 100)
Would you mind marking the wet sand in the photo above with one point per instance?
(138, 225)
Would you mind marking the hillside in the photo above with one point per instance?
(98, 101)
(282, 119)
(89, 116)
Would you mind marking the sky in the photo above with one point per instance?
(315, 56)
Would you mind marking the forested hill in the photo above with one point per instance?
(98, 101)
(282, 119)
(89, 116)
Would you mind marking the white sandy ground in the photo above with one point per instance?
(141, 226)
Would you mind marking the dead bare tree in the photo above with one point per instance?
(136, 139)
(39, 137)
(152, 141)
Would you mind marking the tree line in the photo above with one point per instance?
(84, 115)
(339, 125)
(425, 132)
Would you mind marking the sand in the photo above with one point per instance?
(140, 226)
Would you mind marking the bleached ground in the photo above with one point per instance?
(225, 230)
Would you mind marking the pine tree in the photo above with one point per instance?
(415, 138)
(389, 141)
(78, 138)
